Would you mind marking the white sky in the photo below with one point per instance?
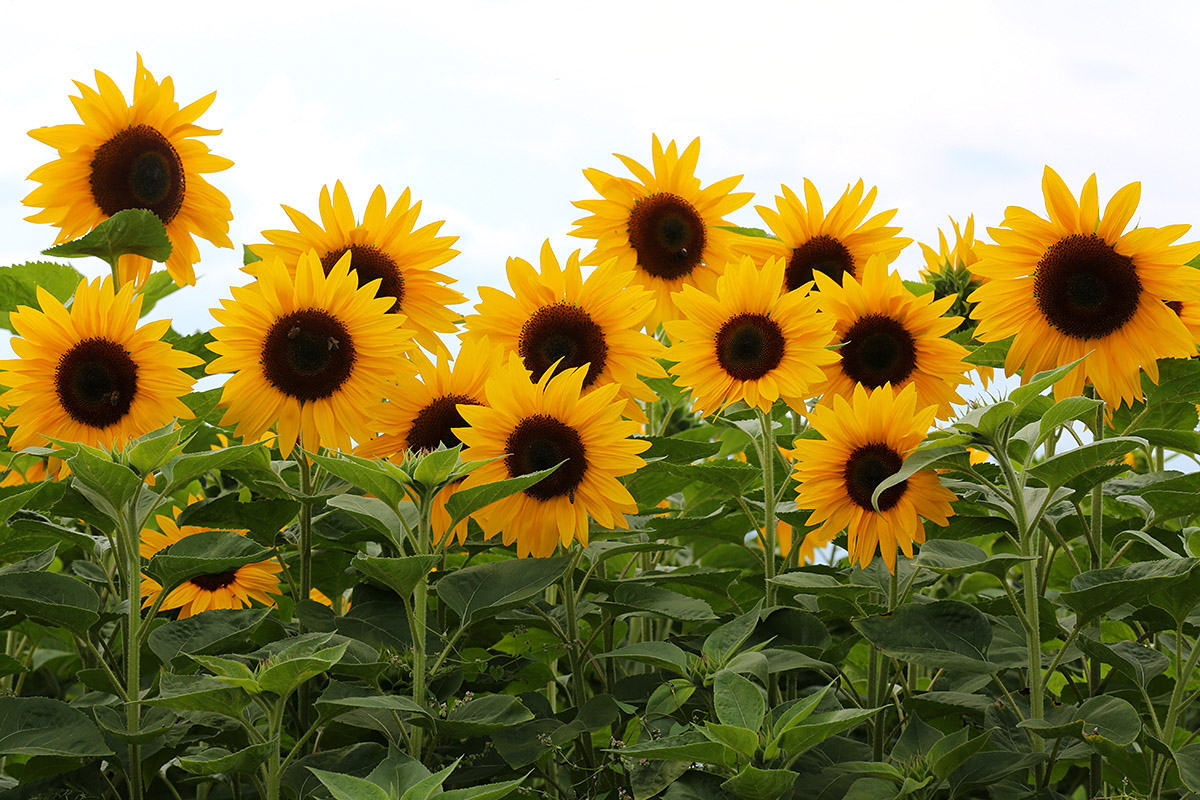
(490, 110)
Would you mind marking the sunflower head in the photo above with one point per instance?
(661, 224)
(526, 427)
(90, 374)
(811, 242)
(314, 352)
(143, 154)
(233, 589)
(866, 439)
(385, 246)
(555, 320)
(749, 341)
(1076, 285)
(888, 335)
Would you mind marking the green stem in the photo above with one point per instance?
(767, 459)
(130, 534)
(305, 522)
(417, 618)
(1096, 546)
(274, 766)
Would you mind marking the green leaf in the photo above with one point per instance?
(19, 283)
(433, 469)
(249, 256)
(488, 791)
(261, 515)
(743, 740)
(373, 513)
(738, 702)
(216, 760)
(753, 783)
(678, 449)
(689, 746)
(1024, 395)
(347, 787)
(733, 477)
(215, 631)
(757, 233)
(1063, 469)
(134, 231)
(180, 471)
(725, 641)
(204, 553)
(1064, 411)
(945, 634)
(299, 659)
(819, 584)
(35, 563)
(198, 693)
(52, 598)
(401, 575)
(149, 452)
(156, 287)
(465, 502)
(367, 474)
(111, 485)
(1100, 590)
(1187, 758)
(659, 602)
(871, 789)
(920, 459)
(197, 344)
(485, 590)
(949, 557)
(39, 726)
(663, 655)
(482, 716)
(820, 727)
(336, 695)
(949, 753)
(1172, 496)
(1135, 661)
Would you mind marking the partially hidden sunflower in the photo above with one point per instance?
(556, 320)
(811, 241)
(661, 224)
(233, 589)
(314, 353)
(90, 374)
(528, 426)
(143, 154)
(385, 246)
(1077, 285)
(750, 340)
(422, 415)
(889, 335)
(865, 441)
(950, 259)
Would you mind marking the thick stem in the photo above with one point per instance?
(767, 458)
(305, 522)
(417, 619)
(129, 531)
(575, 655)
(1096, 546)
(274, 766)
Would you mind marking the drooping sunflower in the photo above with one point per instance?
(234, 589)
(554, 317)
(866, 440)
(386, 246)
(889, 335)
(90, 374)
(1077, 286)
(526, 427)
(139, 155)
(661, 224)
(421, 415)
(314, 353)
(750, 340)
(811, 241)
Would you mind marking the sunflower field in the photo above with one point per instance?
(695, 512)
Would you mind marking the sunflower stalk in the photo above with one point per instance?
(305, 524)
(766, 457)
(417, 613)
(1095, 534)
(128, 531)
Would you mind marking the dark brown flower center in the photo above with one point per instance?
(138, 168)
(878, 350)
(1086, 289)
(1176, 306)
(218, 580)
(96, 381)
(819, 254)
(370, 263)
(749, 346)
(539, 442)
(308, 354)
(866, 468)
(562, 331)
(668, 235)
(434, 424)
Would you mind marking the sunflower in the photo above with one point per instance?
(529, 426)
(812, 242)
(1189, 315)
(33, 473)
(315, 353)
(144, 155)
(948, 259)
(556, 320)
(383, 247)
(889, 335)
(421, 415)
(866, 440)
(1076, 286)
(662, 225)
(90, 374)
(343, 603)
(233, 589)
(750, 341)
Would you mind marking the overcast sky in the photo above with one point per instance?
(490, 110)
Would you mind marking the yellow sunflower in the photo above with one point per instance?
(865, 442)
(314, 353)
(90, 374)
(1189, 315)
(384, 247)
(342, 606)
(1076, 286)
(811, 241)
(889, 335)
(421, 415)
(235, 589)
(18, 476)
(556, 318)
(529, 426)
(139, 155)
(661, 224)
(750, 341)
